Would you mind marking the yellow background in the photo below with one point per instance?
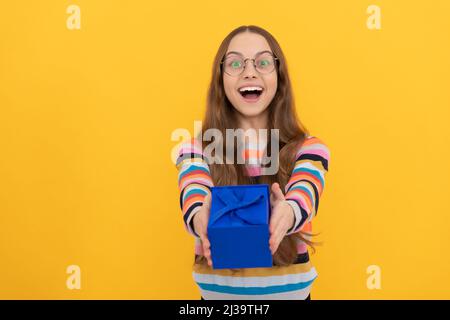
(86, 117)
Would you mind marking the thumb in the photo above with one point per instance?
(207, 201)
(278, 194)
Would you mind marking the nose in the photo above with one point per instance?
(249, 70)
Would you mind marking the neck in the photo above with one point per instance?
(256, 122)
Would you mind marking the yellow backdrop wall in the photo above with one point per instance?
(86, 116)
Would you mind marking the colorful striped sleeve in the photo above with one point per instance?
(307, 181)
(194, 181)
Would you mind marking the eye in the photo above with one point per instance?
(236, 64)
(264, 63)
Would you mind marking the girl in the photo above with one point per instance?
(250, 89)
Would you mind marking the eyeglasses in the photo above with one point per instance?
(234, 64)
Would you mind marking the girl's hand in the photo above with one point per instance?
(201, 219)
(282, 217)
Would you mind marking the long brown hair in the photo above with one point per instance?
(220, 114)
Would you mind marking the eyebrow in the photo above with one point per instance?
(238, 53)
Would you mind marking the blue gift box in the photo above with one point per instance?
(238, 227)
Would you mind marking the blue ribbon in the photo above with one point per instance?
(234, 205)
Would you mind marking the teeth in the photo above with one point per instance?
(250, 89)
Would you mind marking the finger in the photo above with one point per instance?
(206, 243)
(273, 187)
(206, 249)
(280, 231)
(207, 201)
(210, 262)
(272, 200)
(207, 254)
(277, 191)
(273, 243)
(274, 247)
(274, 221)
(272, 225)
(276, 238)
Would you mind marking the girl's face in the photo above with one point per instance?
(250, 92)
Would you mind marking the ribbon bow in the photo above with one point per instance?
(234, 206)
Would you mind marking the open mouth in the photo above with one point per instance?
(251, 94)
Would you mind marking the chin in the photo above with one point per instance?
(250, 111)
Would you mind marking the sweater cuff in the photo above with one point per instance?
(191, 222)
(297, 216)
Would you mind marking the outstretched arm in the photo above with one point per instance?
(194, 181)
(307, 181)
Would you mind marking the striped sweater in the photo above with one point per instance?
(302, 192)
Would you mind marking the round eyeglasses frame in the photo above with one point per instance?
(275, 59)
